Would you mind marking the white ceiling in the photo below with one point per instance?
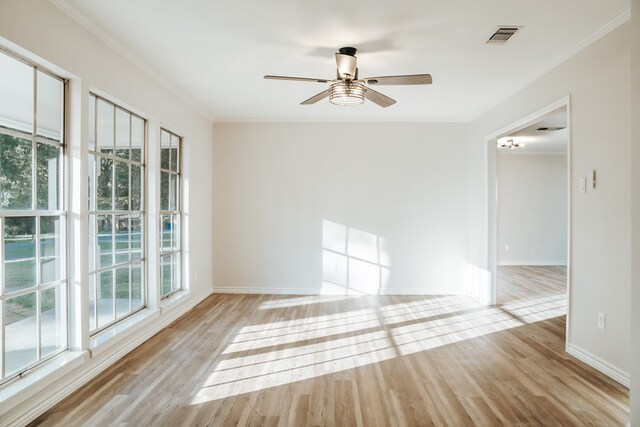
(541, 142)
(214, 53)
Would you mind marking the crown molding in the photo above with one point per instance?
(129, 56)
(591, 38)
(339, 120)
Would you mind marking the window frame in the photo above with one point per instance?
(62, 283)
(94, 271)
(173, 251)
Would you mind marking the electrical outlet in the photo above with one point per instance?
(601, 321)
(507, 248)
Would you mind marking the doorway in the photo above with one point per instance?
(529, 186)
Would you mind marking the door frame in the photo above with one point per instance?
(492, 193)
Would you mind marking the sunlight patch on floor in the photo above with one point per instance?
(282, 352)
(298, 301)
(342, 323)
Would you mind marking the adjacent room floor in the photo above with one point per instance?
(358, 360)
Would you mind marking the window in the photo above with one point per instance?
(170, 213)
(116, 213)
(33, 272)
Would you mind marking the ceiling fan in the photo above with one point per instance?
(348, 89)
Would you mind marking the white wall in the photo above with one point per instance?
(532, 209)
(43, 33)
(598, 80)
(635, 303)
(284, 193)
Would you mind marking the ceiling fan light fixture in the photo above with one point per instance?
(347, 93)
(510, 143)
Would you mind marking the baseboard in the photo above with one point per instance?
(38, 404)
(258, 290)
(595, 362)
(534, 263)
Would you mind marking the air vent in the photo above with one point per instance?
(550, 129)
(502, 35)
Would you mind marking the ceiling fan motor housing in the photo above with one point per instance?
(351, 51)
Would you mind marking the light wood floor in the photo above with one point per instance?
(373, 361)
(528, 281)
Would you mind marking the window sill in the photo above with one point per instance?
(175, 300)
(40, 377)
(120, 331)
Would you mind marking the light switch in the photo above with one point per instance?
(583, 185)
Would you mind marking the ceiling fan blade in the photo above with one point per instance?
(411, 79)
(378, 98)
(346, 65)
(296, 79)
(315, 98)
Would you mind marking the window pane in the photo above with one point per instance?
(50, 249)
(105, 298)
(16, 87)
(15, 173)
(122, 291)
(21, 332)
(123, 129)
(136, 287)
(136, 237)
(137, 138)
(164, 191)
(175, 236)
(175, 143)
(165, 233)
(52, 314)
(19, 253)
(105, 240)
(122, 186)
(49, 109)
(105, 184)
(165, 149)
(92, 242)
(173, 192)
(48, 176)
(92, 302)
(175, 271)
(105, 127)
(92, 123)
(136, 188)
(165, 273)
(92, 182)
(122, 239)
